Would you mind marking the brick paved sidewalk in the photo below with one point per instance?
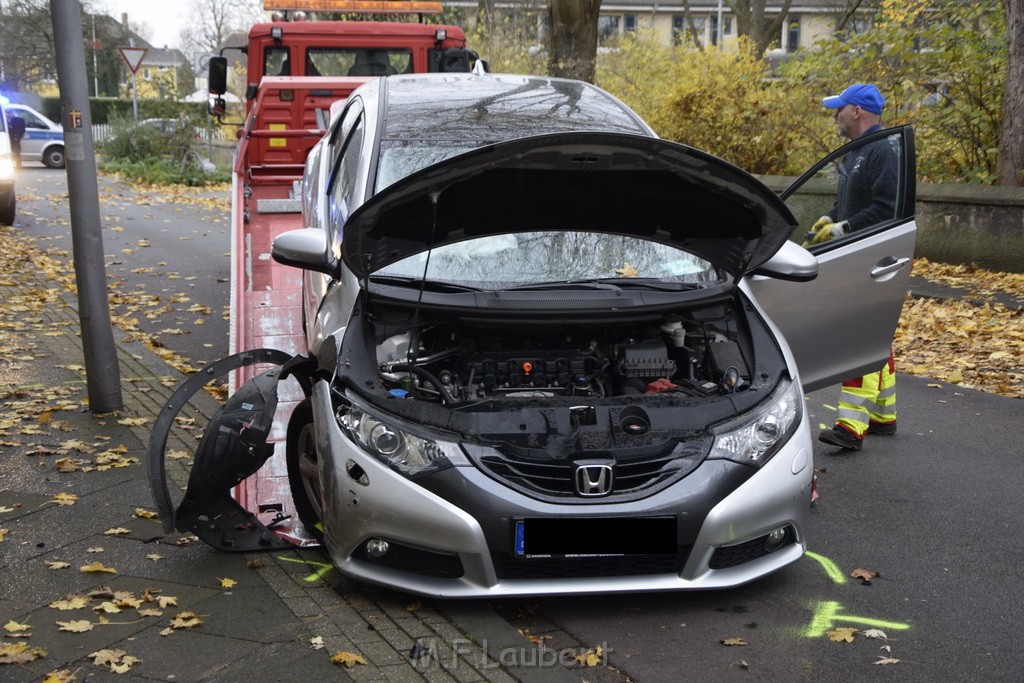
(261, 628)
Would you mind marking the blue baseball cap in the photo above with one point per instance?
(863, 95)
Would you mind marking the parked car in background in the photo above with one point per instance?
(44, 139)
(8, 200)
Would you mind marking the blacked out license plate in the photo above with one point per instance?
(595, 536)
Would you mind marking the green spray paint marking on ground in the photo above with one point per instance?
(322, 570)
(830, 567)
(826, 614)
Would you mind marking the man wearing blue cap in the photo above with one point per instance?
(866, 196)
(867, 177)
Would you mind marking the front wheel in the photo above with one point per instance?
(54, 157)
(304, 470)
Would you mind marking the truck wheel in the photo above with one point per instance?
(303, 470)
(7, 212)
(54, 157)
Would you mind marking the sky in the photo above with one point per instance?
(164, 19)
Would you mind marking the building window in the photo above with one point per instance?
(726, 26)
(678, 24)
(713, 37)
(607, 28)
(857, 25)
(699, 29)
(629, 23)
(792, 34)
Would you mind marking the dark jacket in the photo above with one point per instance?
(868, 180)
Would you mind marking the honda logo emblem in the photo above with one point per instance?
(594, 479)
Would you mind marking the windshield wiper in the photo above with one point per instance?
(612, 283)
(415, 282)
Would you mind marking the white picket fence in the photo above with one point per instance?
(101, 132)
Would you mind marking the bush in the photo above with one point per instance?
(133, 141)
(722, 102)
(154, 171)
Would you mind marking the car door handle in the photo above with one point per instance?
(888, 266)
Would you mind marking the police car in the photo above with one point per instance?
(44, 139)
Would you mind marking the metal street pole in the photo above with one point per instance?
(95, 68)
(135, 96)
(103, 375)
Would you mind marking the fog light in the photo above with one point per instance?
(376, 548)
(774, 540)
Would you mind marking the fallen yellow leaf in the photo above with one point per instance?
(842, 634)
(347, 659)
(19, 653)
(73, 602)
(54, 564)
(97, 567)
(80, 626)
(227, 583)
(63, 498)
(186, 619)
(14, 627)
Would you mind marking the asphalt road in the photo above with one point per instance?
(935, 509)
(167, 255)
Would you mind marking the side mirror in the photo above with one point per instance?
(217, 106)
(455, 60)
(792, 262)
(16, 127)
(218, 75)
(307, 249)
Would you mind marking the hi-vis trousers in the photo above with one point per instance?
(871, 398)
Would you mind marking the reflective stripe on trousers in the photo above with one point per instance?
(871, 398)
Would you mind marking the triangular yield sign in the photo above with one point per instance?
(132, 56)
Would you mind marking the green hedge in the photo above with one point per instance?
(106, 108)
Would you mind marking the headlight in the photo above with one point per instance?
(754, 440)
(396, 446)
(6, 167)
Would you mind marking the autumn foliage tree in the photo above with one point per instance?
(941, 65)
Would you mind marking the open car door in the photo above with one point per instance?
(840, 325)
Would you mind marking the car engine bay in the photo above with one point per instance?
(699, 352)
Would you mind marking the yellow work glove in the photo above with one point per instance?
(818, 225)
(824, 232)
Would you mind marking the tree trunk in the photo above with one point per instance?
(752, 22)
(485, 13)
(573, 48)
(1010, 165)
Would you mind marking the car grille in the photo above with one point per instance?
(553, 479)
(508, 566)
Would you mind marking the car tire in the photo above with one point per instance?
(7, 212)
(303, 472)
(54, 157)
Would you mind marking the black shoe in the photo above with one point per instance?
(837, 436)
(882, 428)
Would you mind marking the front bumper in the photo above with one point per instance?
(386, 505)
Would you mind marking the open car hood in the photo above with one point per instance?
(587, 181)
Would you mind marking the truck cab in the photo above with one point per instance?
(290, 46)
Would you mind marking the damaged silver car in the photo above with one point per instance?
(551, 353)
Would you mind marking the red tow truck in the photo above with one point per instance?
(299, 72)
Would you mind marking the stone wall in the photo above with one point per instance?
(956, 223)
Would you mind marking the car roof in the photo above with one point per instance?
(498, 107)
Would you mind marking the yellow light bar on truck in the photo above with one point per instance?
(356, 6)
